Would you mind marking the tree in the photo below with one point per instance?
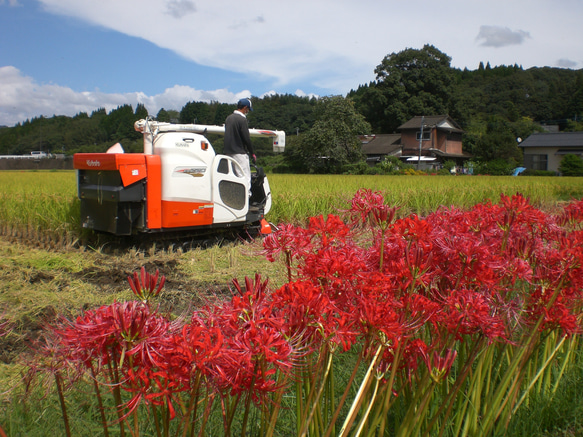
(333, 140)
(412, 82)
(163, 115)
(497, 143)
(571, 165)
(196, 112)
(141, 112)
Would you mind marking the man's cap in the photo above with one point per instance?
(245, 102)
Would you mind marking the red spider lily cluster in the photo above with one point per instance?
(145, 286)
(232, 349)
(410, 294)
(487, 271)
(502, 274)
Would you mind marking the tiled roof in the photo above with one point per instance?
(557, 139)
(384, 144)
(444, 122)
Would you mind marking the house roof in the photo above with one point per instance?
(383, 144)
(556, 139)
(442, 122)
(451, 155)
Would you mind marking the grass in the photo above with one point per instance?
(44, 204)
(36, 284)
(296, 197)
(560, 416)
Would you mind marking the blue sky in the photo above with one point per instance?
(66, 56)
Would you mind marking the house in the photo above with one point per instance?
(544, 151)
(433, 139)
(376, 147)
(425, 140)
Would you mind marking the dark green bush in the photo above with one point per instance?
(538, 173)
(571, 165)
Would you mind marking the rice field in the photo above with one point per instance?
(44, 204)
(296, 197)
(39, 204)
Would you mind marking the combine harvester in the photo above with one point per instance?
(177, 188)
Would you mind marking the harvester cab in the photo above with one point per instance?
(178, 183)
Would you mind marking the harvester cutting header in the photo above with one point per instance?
(178, 183)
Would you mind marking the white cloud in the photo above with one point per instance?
(336, 44)
(22, 98)
(566, 63)
(496, 36)
(180, 8)
(330, 44)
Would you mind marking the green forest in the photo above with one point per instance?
(493, 105)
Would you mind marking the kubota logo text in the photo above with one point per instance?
(91, 163)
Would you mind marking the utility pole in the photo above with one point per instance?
(420, 142)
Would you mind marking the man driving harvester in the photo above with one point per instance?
(237, 140)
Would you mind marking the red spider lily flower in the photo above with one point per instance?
(318, 317)
(439, 366)
(330, 230)
(193, 349)
(364, 202)
(116, 331)
(336, 269)
(131, 338)
(572, 214)
(467, 311)
(419, 262)
(145, 286)
(305, 309)
(53, 358)
(143, 331)
(559, 315)
(254, 342)
(151, 386)
(288, 239)
(411, 351)
(383, 216)
(413, 228)
(463, 258)
(382, 319)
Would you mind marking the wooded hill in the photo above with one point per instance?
(492, 104)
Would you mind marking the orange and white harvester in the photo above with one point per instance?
(177, 184)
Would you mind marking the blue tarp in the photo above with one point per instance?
(518, 170)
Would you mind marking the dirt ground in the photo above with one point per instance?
(37, 285)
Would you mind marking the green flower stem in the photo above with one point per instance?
(299, 404)
(114, 376)
(282, 383)
(447, 404)
(509, 384)
(364, 417)
(415, 410)
(99, 402)
(478, 384)
(156, 419)
(315, 402)
(59, 383)
(566, 361)
(189, 414)
(380, 416)
(360, 395)
(332, 424)
(205, 416)
(538, 375)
